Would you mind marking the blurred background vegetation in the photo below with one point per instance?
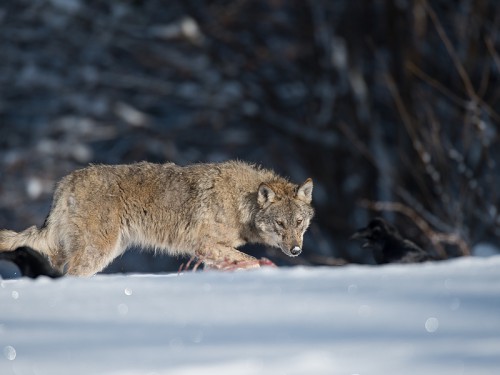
(392, 107)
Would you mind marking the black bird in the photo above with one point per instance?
(388, 245)
(30, 263)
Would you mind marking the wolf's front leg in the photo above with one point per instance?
(228, 258)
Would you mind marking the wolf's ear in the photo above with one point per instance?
(304, 192)
(265, 194)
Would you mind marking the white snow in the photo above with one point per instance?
(434, 318)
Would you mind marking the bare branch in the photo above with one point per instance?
(358, 143)
(469, 88)
(493, 52)
(436, 84)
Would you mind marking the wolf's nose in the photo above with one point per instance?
(295, 251)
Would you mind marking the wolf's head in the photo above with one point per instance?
(284, 214)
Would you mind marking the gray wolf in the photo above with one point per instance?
(205, 211)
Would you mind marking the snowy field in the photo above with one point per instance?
(440, 318)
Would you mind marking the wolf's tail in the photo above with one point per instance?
(32, 237)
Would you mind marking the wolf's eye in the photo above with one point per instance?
(299, 221)
(280, 223)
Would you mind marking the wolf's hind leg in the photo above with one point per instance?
(93, 254)
(58, 260)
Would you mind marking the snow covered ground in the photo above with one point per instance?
(436, 318)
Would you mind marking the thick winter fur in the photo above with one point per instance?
(201, 210)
